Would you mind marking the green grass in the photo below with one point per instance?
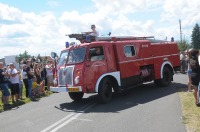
(191, 113)
(21, 102)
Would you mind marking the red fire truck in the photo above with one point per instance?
(105, 65)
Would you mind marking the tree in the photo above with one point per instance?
(196, 37)
(25, 55)
(184, 45)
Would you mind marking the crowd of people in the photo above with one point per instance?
(190, 62)
(36, 77)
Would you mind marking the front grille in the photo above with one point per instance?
(61, 77)
(65, 76)
(69, 75)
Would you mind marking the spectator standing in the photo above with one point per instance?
(25, 78)
(189, 71)
(20, 86)
(43, 76)
(4, 87)
(195, 75)
(30, 74)
(49, 75)
(183, 62)
(14, 78)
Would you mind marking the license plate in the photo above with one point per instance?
(72, 89)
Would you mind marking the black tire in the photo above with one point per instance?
(167, 78)
(76, 96)
(105, 91)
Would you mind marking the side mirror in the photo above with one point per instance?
(53, 54)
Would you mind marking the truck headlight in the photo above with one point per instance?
(76, 80)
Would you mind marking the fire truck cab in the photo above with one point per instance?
(118, 63)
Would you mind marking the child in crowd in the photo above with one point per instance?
(37, 89)
(20, 87)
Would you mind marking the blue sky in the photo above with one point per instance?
(34, 25)
(57, 6)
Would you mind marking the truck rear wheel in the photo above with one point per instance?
(76, 96)
(167, 78)
(105, 91)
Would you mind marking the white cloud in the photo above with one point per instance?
(186, 10)
(35, 33)
(9, 13)
(126, 6)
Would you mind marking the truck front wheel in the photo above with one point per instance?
(105, 91)
(76, 96)
(167, 78)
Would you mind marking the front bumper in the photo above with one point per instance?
(58, 89)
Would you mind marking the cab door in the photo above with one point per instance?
(131, 64)
(95, 66)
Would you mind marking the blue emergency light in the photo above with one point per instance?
(88, 38)
(66, 44)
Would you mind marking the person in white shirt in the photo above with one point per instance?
(14, 78)
(49, 75)
(93, 33)
(25, 78)
(183, 62)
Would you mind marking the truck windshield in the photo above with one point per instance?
(76, 55)
(63, 57)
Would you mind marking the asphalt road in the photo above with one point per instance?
(146, 108)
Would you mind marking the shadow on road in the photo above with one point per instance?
(130, 98)
(181, 87)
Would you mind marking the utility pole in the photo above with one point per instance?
(180, 30)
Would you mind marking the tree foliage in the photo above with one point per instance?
(184, 45)
(24, 55)
(196, 37)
